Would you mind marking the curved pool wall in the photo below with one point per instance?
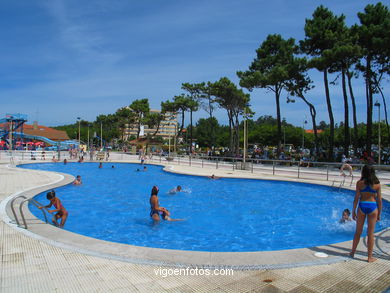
(217, 207)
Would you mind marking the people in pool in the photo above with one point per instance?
(346, 216)
(156, 209)
(368, 199)
(61, 212)
(100, 165)
(213, 177)
(175, 190)
(77, 181)
(145, 168)
(65, 161)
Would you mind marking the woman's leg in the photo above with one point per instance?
(359, 228)
(63, 219)
(371, 221)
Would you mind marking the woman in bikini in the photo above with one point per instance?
(155, 208)
(368, 195)
(61, 212)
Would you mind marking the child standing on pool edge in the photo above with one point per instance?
(61, 212)
(368, 194)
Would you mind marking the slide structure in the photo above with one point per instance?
(62, 144)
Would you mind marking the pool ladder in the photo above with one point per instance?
(343, 182)
(25, 199)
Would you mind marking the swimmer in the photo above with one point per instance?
(112, 167)
(213, 177)
(155, 208)
(100, 165)
(77, 181)
(54, 159)
(145, 169)
(346, 216)
(175, 190)
(138, 170)
(81, 159)
(65, 161)
(61, 212)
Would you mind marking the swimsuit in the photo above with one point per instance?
(153, 211)
(62, 211)
(367, 207)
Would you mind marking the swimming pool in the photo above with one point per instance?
(220, 215)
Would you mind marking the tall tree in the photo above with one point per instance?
(208, 104)
(321, 35)
(270, 70)
(181, 105)
(374, 40)
(195, 94)
(298, 85)
(141, 109)
(234, 101)
(125, 118)
(341, 57)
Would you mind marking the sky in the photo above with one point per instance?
(63, 59)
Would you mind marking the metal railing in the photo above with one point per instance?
(25, 199)
(288, 168)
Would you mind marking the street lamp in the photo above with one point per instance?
(78, 118)
(303, 134)
(377, 104)
(284, 132)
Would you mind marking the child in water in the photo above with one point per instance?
(77, 181)
(346, 216)
(61, 212)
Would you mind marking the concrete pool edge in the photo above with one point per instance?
(166, 257)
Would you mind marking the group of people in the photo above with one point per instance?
(367, 204)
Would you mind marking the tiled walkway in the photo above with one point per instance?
(30, 265)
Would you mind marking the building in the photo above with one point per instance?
(40, 130)
(168, 127)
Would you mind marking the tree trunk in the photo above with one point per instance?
(277, 97)
(346, 113)
(313, 114)
(385, 108)
(331, 119)
(191, 132)
(369, 105)
(355, 126)
(230, 132)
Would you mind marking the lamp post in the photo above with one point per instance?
(78, 119)
(377, 104)
(88, 138)
(284, 133)
(303, 134)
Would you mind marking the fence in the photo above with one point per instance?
(325, 171)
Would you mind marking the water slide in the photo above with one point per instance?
(62, 144)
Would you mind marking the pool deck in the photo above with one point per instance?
(46, 259)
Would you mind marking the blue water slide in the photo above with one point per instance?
(62, 144)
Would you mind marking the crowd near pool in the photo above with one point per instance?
(222, 215)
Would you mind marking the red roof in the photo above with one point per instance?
(312, 131)
(40, 130)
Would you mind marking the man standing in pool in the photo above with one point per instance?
(155, 208)
(61, 212)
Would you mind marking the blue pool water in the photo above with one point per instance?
(220, 215)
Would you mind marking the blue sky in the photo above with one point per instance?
(66, 59)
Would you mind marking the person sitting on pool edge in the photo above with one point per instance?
(77, 181)
(155, 208)
(61, 212)
(345, 217)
